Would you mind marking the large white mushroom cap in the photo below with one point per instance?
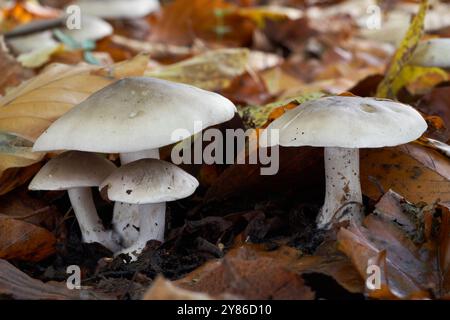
(149, 181)
(72, 169)
(135, 114)
(347, 122)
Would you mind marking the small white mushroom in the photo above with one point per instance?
(114, 9)
(92, 28)
(432, 53)
(343, 125)
(32, 42)
(135, 117)
(77, 172)
(149, 183)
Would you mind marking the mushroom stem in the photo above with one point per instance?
(343, 198)
(152, 222)
(149, 219)
(92, 229)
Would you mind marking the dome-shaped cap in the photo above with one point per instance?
(72, 169)
(135, 114)
(148, 181)
(347, 122)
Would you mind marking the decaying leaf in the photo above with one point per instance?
(408, 264)
(416, 172)
(24, 241)
(243, 272)
(403, 53)
(182, 21)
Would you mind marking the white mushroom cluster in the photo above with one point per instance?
(133, 117)
(343, 125)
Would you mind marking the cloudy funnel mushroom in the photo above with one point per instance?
(343, 125)
(114, 9)
(150, 183)
(77, 172)
(92, 28)
(432, 53)
(135, 117)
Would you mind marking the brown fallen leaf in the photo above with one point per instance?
(243, 272)
(21, 205)
(437, 102)
(24, 241)
(17, 285)
(247, 89)
(416, 172)
(182, 21)
(15, 177)
(408, 263)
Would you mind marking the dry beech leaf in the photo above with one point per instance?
(15, 284)
(15, 177)
(243, 272)
(24, 241)
(416, 172)
(406, 253)
(437, 102)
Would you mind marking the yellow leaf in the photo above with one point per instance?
(258, 116)
(262, 13)
(404, 53)
(418, 79)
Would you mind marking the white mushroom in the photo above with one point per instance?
(432, 53)
(150, 183)
(32, 42)
(77, 172)
(343, 125)
(92, 28)
(118, 8)
(135, 117)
